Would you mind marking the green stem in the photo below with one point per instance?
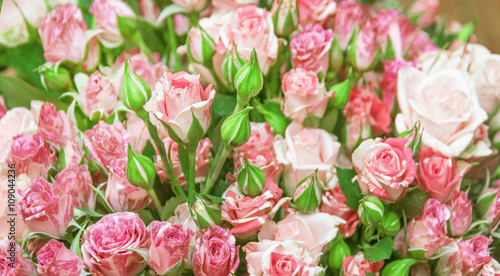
(240, 104)
(156, 201)
(142, 45)
(219, 161)
(192, 175)
(173, 44)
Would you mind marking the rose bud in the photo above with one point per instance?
(399, 267)
(364, 50)
(460, 208)
(307, 196)
(358, 265)
(200, 46)
(286, 18)
(191, 6)
(370, 211)
(235, 130)
(216, 253)
(206, 214)
(135, 91)
(54, 78)
(488, 207)
(251, 179)
(389, 225)
(141, 171)
(98, 96)
(249, 79)
(467, 257)
(338, 254)
(336, 56)
(310, 48)
(169, 245)
(31, 155)
(232, 63)
(55, 259)
(107, 15)
(76, 181)
(105, 243)
(107, 142)
(12, 262)
(43, 210)
(54, 126)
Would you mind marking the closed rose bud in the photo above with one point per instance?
(249, 79)
(135, 91)
(55, 259)
(460, 208)
(370, 211)
(235, 130)
(364, 51)
(336, 55)
(286, 18)
(206, 214)
(307, 196)
(56, 79)
(200, 46)
(232, 63)
(398, 267)
(251, 179)
(141, 171)
(486, 201)
(107, 15)
(338, 254)
(389, 225)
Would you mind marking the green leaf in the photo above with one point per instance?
(412, 204)
(75, 244)
(88, 212)
(25, 59)
(146, 216)
(215, 199)
(382, 250)
(102, 198)
(223, 105)
(141, 251)
(169, 208)
(370, 274)
(176, 269)
(349, 187)
(220, 188)
(17, 92)
(466, 31)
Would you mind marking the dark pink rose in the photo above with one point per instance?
(107, 142)
(54, 259)
(54, 126)
(357, 265)
(311, 47)
(76, 181)
(31, 155)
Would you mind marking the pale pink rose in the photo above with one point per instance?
(191, 5)
(7, 227)
(149, 70)
(485, 72)
(265, 160)
(357, 265)
(63, 34)
(3, 107)
(11, 252)
(333, 203)
(182, 215)
(460, 208)
(93, 56)
(468, 258)
(491, 268)
(223, 6)
(310, 48)
(389, 80)
(104, 243)
(106, 14)
(315, 11)
(169, 245)
(107, 142)
(400, 243)
(55, 259)
(216, 253)
(440, 175)
(312, 230)
(31, 155)
(349, 15)
(76, 181)
(252, 29)
(446, 105)
(366, 52)
(247, 214)
(14, 18)
(16, 121)
(181, 24)
(43, 210)
(149, 11)
(54, 126)
(385, 167)
(303, 151)
(304, 94)
(139, 134)
(73, 153)
(261, 138)
(121, 195)
(427, 10)
(97, 94)
(279, 259)
(427, 233)
(180, 96)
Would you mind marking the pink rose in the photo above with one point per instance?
(97, 94)
(216, 253)
(11, 252)
(55, 259)
(485, 72)
(13, 123)
(365, 56)
(310, 48)
(261, 138)
(440, 175)
(106, 14)
(468, 258)
(385, 167)
(182, 215)
(179, 97)
(460, 208)
(303, 151)
(22, 183)
(149, 70)
(76, 181)
(491, 210)
(446, 105)
(43, 210)
(63, 34)
(72, 153)
(427, 233)
(304, 94)
(315, 11)
(191, 5)
(181, 24)
(169, 245)
(313, 230)
(389, 79)
(357, 265)
(31, 155)
(121, 195)
(107, 142)
(247, 214)
(149, 11)
(16, 14)
(54, 126)
(427, 10)
(223, 6)
(104, 242)
(333, 203)
(349, 15)
(280, 259)
(266, 161)
(93, 56)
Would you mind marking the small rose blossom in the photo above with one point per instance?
(73, 153)
(31, 155)
(55, 259)
(107, 142)
(54, 126)
(349, 15)
(104, 243)
(315, 11)
(181, 24)
(149, 10)
(492, 213)
(261, 138)
(106, 14)
(333, 203)
(11, 252)
(182, 215)
(43, 210)
(76, 181)
(460, 208)
(427, 10)
(310, 48)
(467, 258)
(97, 94)
(357, 265)
(14, 122)
(266, 161)
(385, 167)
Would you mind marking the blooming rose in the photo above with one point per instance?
(310, 48)
(312, 230)
(106, 14)
(333, 203)
(427, 233)
(216, 253)
(31, 155)
(76, 181)
(349, 15)
(150, 70)
(104, 243)
(385, 167)
(485, 72)
(357, 265)
(121, 195)
(22, 266)
(460, 208)
(178, 98)
(440, 175)
(107, 142)
(43, 210)
(247, 214)
(55, 259)
(169, 245)
(63, 34)
(427, 10)
(303, 151)
(54, 126)
(446, 105)
(304, 94)
(468, 258)
(98, 97)
(21, 183)
(279, 258)
(261, 138)
(315, 11)
(14, 18)
(13, 123)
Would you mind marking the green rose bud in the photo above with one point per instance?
(206, 214)
(135, 91)
(398, 268)
(370, 211)
(200, 46)
(286, 18)
(249, 79)
(389, 225)
(251, 179)
(54, 78)
(141, 171)
(336, 56)
(235, 130)
(307, 195)
(342, 93)
(232, 63)
(338, 254)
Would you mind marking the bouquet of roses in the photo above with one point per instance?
(207, 138)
